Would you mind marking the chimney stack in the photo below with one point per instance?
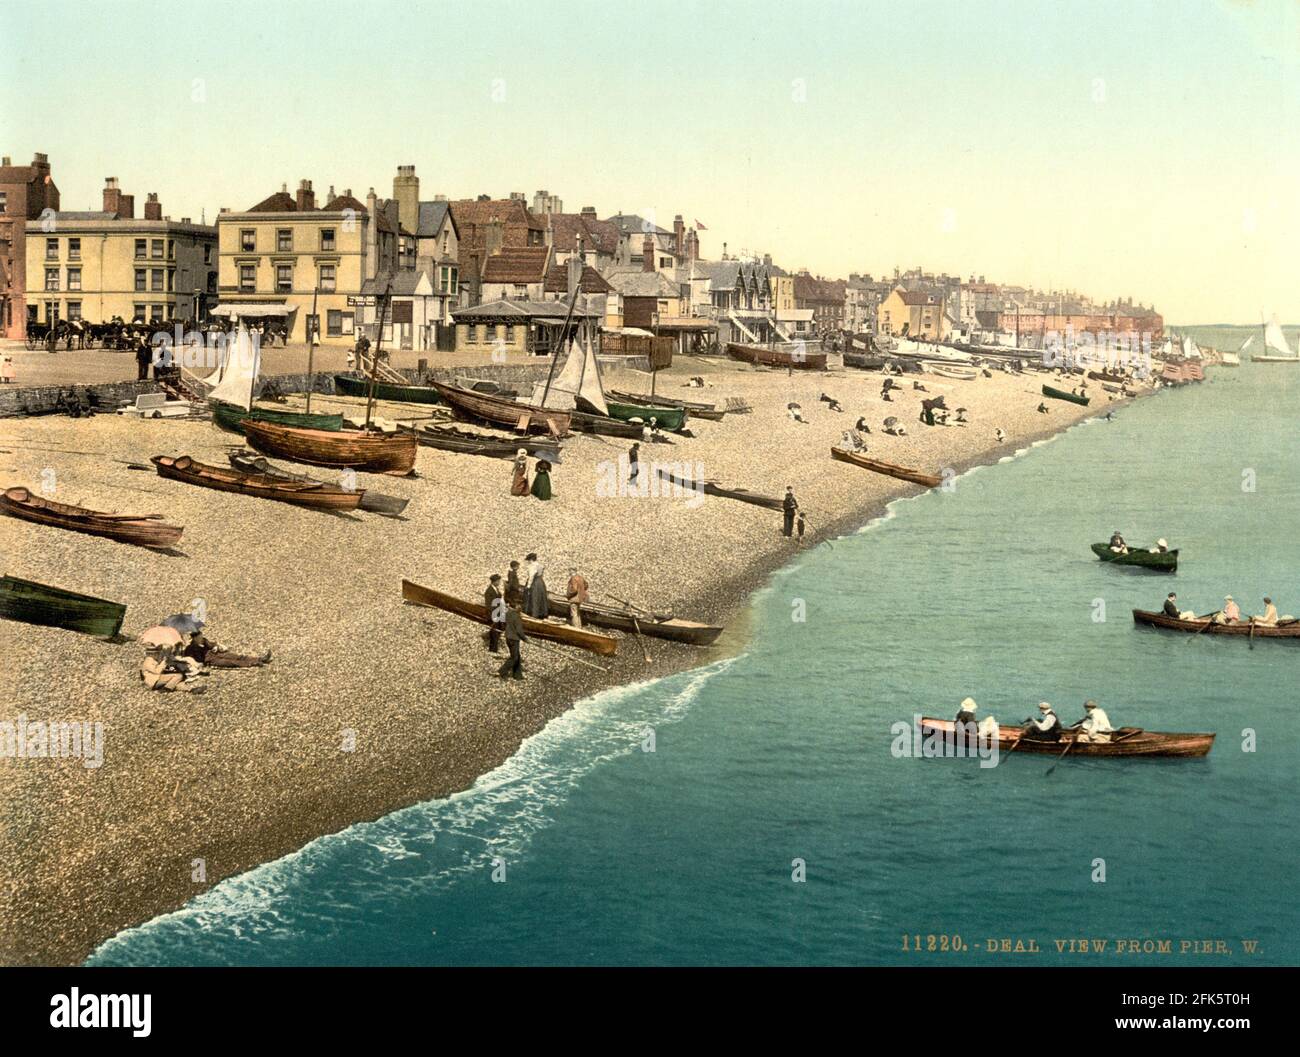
(575, 268)
(679, 232)
(406, 189)
(306, 197)
(152, 207)
(648, 254)
(112, 195)
(589, 211)
(126, 207)
(6, 161)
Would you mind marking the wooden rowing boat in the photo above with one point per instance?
(903, 473)
(374, 502)
(948, 370)
(405, 394)
(143, 530)
(542, 629)
(506, 414)
(449, 438)
(669, 418)
(584, 422)
(652, 625)
(864, 361)
(1166, 562)
(390, 453)
(742, 495)
(696, 410)
(1127, 741)
(54, 607)
(1061, 394)
(1290, 630)
(231, 418)
(261, 486)
(758, 354)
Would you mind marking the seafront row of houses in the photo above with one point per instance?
(453, 273)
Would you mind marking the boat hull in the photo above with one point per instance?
(674, 630)
(390, 453)
(1061, 394)
(757, 354)
(603, 645)
(1142, 559)
(1198, 627)
(54, 607)
(903, 473)
(404, 394)
(669, 418)
(259, 486)
(142, 532)
(232, 418)
(374, 502)
(506, 414)
(1126, 742)
(470, 443)
(741, 495)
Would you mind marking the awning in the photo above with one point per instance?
(252, 310)
(685, 323)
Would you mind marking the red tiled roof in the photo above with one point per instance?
(918, 297)
(517, 264)
(600, 235)
(280, 202)
(557, 280)
(343, 202)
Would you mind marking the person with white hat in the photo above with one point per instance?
(1047, 727)
(1095, 725)
(1161, 547)
(1230, 613)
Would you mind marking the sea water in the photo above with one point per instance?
(752, 811)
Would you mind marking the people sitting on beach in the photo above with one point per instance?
(1000, 433)
(918, 387)
(794, 412)
(884, 394)
(861, 425)
(1171, 606)
(1230, 613)
(1095, 725)
(1047, 727)
(160, 671)
(1269, 617)
(1042, 408)
(1117, 543)
(831, 402)
(961, 414)
(214, 655)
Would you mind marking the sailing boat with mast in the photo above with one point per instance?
(1276, 340)
(1233, 359)
(366, 449)
(234, 382)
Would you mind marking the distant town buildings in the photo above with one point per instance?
(26, 192)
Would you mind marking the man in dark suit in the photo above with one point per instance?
(514, 629)
(495, 601)
(789, 505)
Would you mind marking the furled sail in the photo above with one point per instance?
(241, 361)
(579, 377)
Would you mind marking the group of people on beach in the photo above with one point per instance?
(524, 594)
(177, 654)
(541, 486)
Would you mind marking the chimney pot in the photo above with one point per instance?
(5, 160)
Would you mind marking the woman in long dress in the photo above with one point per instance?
(535, 603)
(519, 482)
(542, 480)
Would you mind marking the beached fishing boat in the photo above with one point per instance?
(632, 621)
(864, 361)
(1108, 376)
(374, 502)
(1166, 562)
(506, 414)
(54, 607)
(486, 386)
(1127, 741)
(903, 473)
(1061, 394)
(315, 495)
(583, 422)
(407, 394)
(1205, 625)
(742, 495)
(798, 358)
(449, 438)
(669, 418)
(696, 410)
(948, 370)
(230, 417)
(542, 629)
(143, 530)
(373, 452)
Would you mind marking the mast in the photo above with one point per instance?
(314, 325)
(555, 357)
(374, 362)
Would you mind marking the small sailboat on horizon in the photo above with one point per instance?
(1276, 340)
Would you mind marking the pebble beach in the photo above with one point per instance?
(369, 704)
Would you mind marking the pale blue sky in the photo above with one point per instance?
(1143, 149)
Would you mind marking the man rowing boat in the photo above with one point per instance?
(1047, 727)
(1095, 725)
(1230, 613)
(1171, 606)
(1117, 543)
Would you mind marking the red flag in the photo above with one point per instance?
(700, 226)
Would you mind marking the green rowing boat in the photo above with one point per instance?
(669, 418)
(1061, 394)
(231, 418)
(406, 394)
(53, 607)
(1161, 561)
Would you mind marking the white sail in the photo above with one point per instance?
(1275, 339)
(1246, 344)
(1190, 351)
(238, 372)
(580, 376)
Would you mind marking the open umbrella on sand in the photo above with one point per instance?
(184, 623)
(162, 635)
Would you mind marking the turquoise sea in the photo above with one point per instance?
(614, 855)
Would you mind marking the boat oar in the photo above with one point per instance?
(644, 652)
(1127, 735)
(567, 656)
(1250, 638)
(1061, 757)
(631, 607)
